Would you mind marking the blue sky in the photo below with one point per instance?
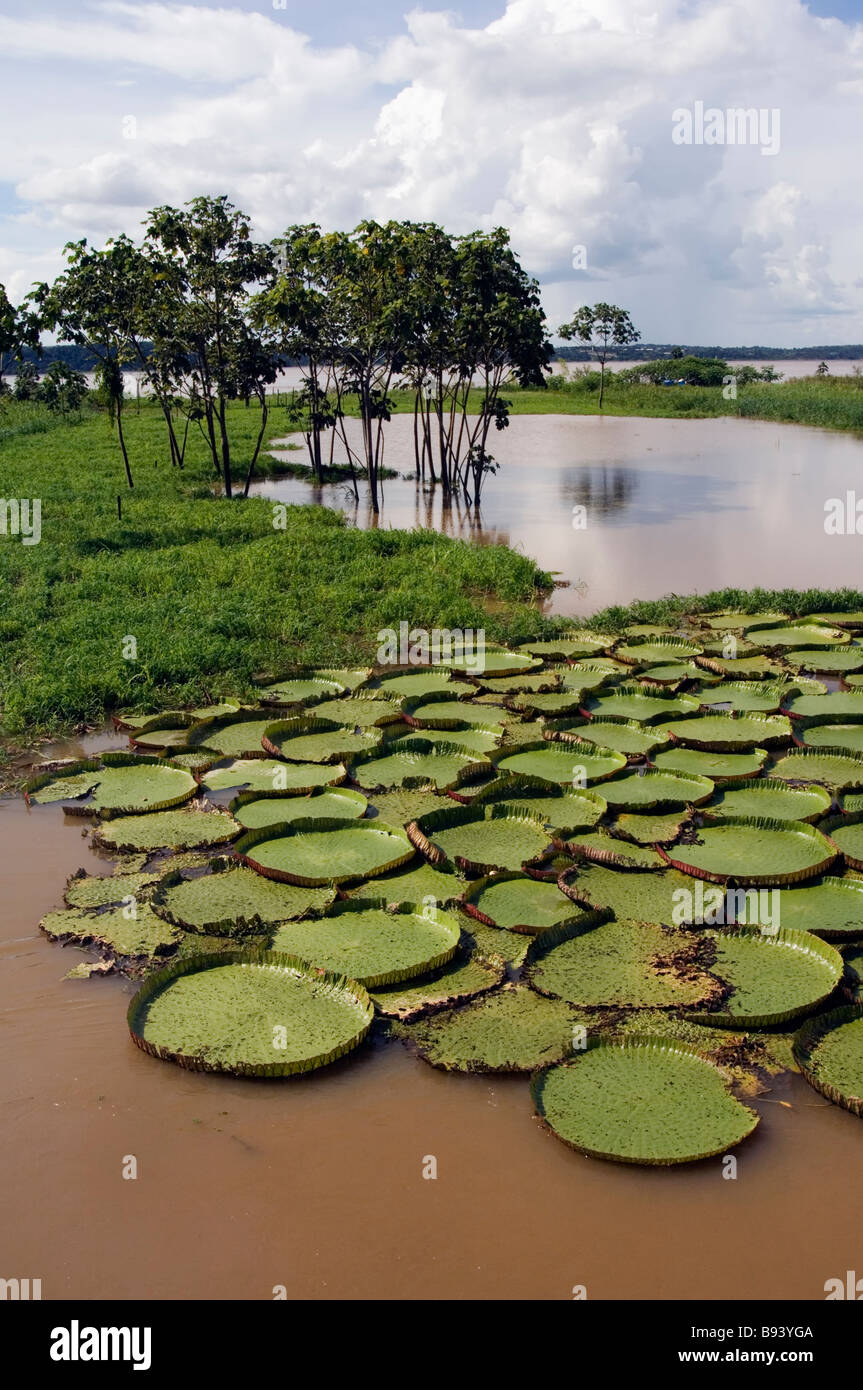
(554, 118)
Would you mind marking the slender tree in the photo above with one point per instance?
(602, 327)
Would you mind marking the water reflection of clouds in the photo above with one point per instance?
(621, 496)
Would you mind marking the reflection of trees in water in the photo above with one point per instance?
(430, 512)
(602, 491)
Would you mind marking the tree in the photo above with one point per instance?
(207, 262)
(19, 329)
(93, 304)
(62, 389)
(603, 327)
(26, 382)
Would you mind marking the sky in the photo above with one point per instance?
(574, 123)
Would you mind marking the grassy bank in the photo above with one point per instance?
(209, 590)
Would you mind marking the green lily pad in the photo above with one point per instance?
(617, 964)
(846, 832)
(521, 683)
(853, 982)
(159, 738)
(373, 943)
(234, 902)
(307, 740)
(771, 797)
(325, 803)
(317, 852)
(251, 1014)
(271, 774)
(562, 648)
(236, 735)
(479, 739)
(516, 902)
(728, 732)
(795, 635)
(832, 908)
(454, 984)
(838, 707)
(553, 704)
(755, 850)
(125, 786)
(402, 806)
(654, 789)
(734, 621)
(421, 884)
(559, 762)
(418, 763)
(642, 897)
(834, 768)
(647, 1101)
(772, 977)
(828, 659)
(754, 666)
(745, 696)
(719, 767)
(167, 830)
(300, 690)
(608, 849)
(847, 737)
(417, 684)
(510, 1029)
(363, 711)
(626, 702)
(113, 931)
(829, 1052)
(561, 809)
(436, 712)
(477, 842)
(659, 649)
(622, 735)
(651, 829)
(85, 890)
(672, 672)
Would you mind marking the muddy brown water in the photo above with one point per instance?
(317, 1184)
(671, 506)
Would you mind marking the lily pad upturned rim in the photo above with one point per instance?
(355, 907)
(609, 855)
(775, 729)
(300, 673)
(473, 767)
(79, 807)
(704, 785)
(102, 836)
(637, 1042)
(309, 725)
(794, 938)
(238, 926)
(804, 756)
(774, 878)
(204, 728)
(840, 822)
(279, 960)
(767, 785)
(576, 746)
(805, 1042)
(565, 730)
(289, 829)
(478, 886)
(446, 819)
(518, 789)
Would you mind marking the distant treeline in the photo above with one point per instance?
(82, 359)
(650, 352)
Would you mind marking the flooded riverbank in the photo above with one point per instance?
(669, 506)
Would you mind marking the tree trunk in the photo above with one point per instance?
(123, 444)
(264, 413)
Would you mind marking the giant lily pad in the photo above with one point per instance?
(839, 707)
(232, 735)
(167, 830)
(614, 964)
(234, 902)
(650, 1101)
(754, 850)
(757, 697)
(366, 710)
(114, 931)
(829, 1051)
(325, 803)
(519, 903)
(563, 810)
(457, 982)
(637, 702)
(733, 621)
(603, 848)
(308, 740)
(373, 943)
(728, 732)
(252, 1014)
(403, 806)
(653, 790)
(835, 659)
(772, 976)
(301, 689)
(847, 737)
(316, 852)
(719, 767)
(622, 735)
(846, 831)
(771, 797)
(417, 684)
(656, 650)
(124, 786)
(832, 767)
(422, 883)
(501, 837)
(795, 635)
(271, 774)
(651, 829)
(754, 666)
(559, 762)
(832, 908)
(511, 1029)
(86, 890)
(418, 762)
(666, 898)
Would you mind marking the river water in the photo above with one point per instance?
(670, 506)
(317, 1183)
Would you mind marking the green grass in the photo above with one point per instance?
(211, 592)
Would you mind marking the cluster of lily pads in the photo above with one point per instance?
(507, 870)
